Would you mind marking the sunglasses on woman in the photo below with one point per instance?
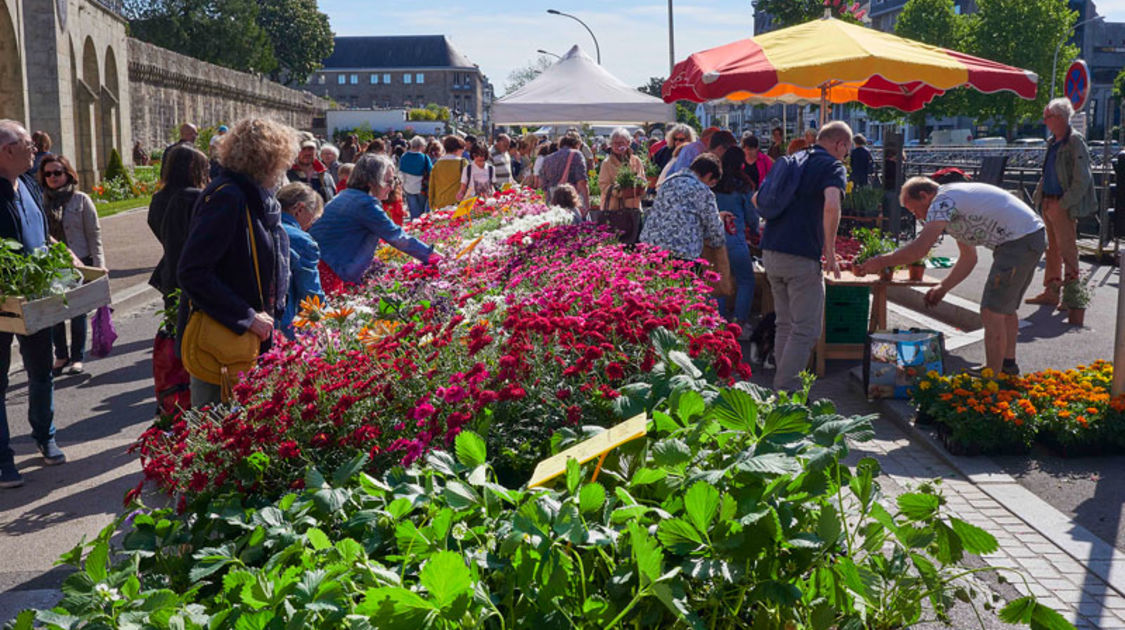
(58, 173)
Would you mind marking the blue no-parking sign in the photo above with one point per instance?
(1077, 84)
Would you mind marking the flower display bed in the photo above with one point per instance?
(372, 473)
(1070, 411)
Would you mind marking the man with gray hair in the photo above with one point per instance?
(415, 167)
(188, 133)
(793, 244)
(1065, 193)
(501, 160)
(22, 219)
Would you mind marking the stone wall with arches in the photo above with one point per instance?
(168, 89)
(68, 68)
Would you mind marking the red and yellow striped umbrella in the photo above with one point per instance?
(838, 62)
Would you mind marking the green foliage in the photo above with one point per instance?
(301, 37)
(627, 178)
(653, 87)
(686, 114)
(792, 12)
(115, 168)
(1078, 292)
(936, 23)
(223, 32)
(872, 242)
(728, 514)
(433, 111)
(36, 274)
(991, 35)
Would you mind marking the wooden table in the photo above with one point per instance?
(878, 318)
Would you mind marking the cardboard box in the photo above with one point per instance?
(25, 317)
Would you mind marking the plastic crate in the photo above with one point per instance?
(846, 311)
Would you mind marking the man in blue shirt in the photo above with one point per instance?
(793, 245)
(22, 219)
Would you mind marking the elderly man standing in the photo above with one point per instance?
(310, 171)
(22, 219)
(188, 134)
(501, 161)
(793, 245)
(1065, 193)
(976, 214)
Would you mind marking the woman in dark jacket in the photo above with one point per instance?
(185, 174)
(216, 267)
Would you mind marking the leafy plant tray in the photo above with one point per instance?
(24, 317)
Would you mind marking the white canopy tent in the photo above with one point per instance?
(577, 90)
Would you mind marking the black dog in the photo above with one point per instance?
(762, 339)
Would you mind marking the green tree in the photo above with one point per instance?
(526, 74)
(935, 22)
(791, 12)
(223, 32)
(300, 35)
(1002, 30)
(652, 88)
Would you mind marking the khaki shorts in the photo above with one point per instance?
(1013, 265)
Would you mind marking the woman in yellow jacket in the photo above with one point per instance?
(445, 178)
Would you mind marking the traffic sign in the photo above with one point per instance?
(1078, 84)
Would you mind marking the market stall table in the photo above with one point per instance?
(878, 318)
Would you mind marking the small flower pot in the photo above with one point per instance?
(917, 272)
(634, 192)
(1076, 316)
(887, 274)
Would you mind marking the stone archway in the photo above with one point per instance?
(87, 119)
(110, 108)
(11, 71)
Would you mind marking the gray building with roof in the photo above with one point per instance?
(373, 72)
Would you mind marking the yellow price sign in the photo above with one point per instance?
(598, 446)
(470, 248)
(465, 207)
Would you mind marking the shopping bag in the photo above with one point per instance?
(104, 334)
(894, 360)
(720, 264)
(171, 381)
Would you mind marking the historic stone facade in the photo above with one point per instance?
(62, 70)
(67, 67)
(168, 89)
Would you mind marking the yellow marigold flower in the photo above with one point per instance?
(993, 386)
(987, 373)
(924, 385)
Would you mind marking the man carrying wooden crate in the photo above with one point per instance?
(22, 219)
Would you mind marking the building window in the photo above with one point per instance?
(322, 79)
(342, 79)
(420, 78)
(387, 78)
(406, 78)
(374, 79)
(355, 79)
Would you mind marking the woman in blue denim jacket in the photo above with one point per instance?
(301, 206)
(354, 222)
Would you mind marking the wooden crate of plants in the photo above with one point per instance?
(24, 317)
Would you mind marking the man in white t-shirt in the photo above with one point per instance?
(976, 215)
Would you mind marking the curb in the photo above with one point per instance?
(954, 310)
(1087, 549)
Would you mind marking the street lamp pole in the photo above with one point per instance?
(671, 41)
(597, 48)
(1055, 63)
(547, 52)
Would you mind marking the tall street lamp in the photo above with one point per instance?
(671, 42)
(597, 48)
(547, 52)
(1055, 63)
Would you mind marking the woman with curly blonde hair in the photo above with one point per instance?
(236, 216)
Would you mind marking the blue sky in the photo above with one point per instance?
(501, 35)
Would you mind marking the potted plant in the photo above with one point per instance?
(628, 183)
(1076, 296)
(652, 172)
(874, 242)
(917, 270)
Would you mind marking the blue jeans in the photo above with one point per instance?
(36, 352)
(417, 204)
(742, 267)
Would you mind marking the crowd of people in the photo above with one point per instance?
(268, 217)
